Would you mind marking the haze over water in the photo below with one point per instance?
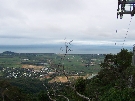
(76, 49)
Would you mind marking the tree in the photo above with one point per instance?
(80, 85)
(43, 96)
(9, 92)
(122, 60)
(114, 94)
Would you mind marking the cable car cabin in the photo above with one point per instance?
(122, 7)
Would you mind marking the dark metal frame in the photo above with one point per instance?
(122, 4)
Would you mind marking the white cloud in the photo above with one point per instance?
(48, 21)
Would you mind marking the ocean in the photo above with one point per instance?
(75, 49)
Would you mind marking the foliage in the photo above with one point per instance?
(80, 85)
(121, 61)
(9, 92)
(114, 82)
(124, 59)
(114, 94)
(42, 96)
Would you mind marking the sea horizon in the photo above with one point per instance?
(75, 49)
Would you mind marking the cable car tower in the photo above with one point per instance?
(121, 8)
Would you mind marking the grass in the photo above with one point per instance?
(10, 62)
(71, 62)
(76, 63)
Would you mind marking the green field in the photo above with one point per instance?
(10, 61)
(72, 62)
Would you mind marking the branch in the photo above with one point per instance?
(50, 97)
(82, 96)
(48, 93)
(64, 97)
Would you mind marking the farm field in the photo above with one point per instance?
(80, 63)
(75, 64)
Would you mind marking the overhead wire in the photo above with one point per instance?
(125, 37)
(124, 41)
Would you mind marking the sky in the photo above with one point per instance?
(86, 22)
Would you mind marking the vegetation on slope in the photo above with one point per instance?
(114, 82)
